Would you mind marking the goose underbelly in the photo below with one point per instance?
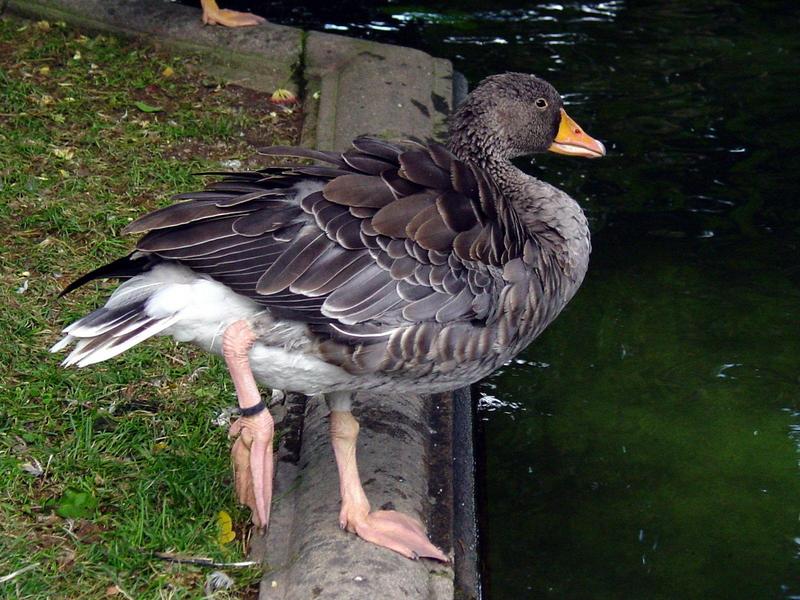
(299, 371)
(280, 358)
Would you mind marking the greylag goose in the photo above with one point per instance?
(416, 268)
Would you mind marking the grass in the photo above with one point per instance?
(103, 467)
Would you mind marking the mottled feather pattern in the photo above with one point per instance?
(400, 259)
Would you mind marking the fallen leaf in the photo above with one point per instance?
(225, 533)
(33, 466)
(74, 504)
(45, 70)
(65, 153)
(283, 96)
(147, 108)
(168, 72)
(65, 558)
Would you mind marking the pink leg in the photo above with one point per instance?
(386, 528)
(252, 451)
(214, 15)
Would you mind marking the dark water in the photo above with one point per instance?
(646, 446)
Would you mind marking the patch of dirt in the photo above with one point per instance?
(272, 123)
(259, 105)
(87, 531)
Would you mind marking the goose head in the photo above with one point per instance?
(517, 114)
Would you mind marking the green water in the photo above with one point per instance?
(652, 448)
(646, 446)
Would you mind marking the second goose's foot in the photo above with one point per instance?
(386, 528)
(254, 430)
(214, 15)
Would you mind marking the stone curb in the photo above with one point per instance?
(415, 453)
(232, 54)
(377, 89)
(316, 559)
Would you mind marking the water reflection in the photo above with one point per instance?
(474, 40)
(487, 403)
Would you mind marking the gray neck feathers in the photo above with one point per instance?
(551, 217)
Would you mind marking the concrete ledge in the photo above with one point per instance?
(415, 453)
(262, 58)
(321, 561)
(377, 89)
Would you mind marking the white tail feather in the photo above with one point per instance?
(114, 346)
(168, 299)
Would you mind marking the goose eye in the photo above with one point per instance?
(541, 103)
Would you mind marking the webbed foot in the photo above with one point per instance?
(214, 15)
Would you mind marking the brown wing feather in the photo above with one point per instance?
(386, 237)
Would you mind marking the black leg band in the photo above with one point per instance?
(251, 411)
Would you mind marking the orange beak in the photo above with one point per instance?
(572, 140)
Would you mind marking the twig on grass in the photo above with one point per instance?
(18, 572)
(203, 561)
